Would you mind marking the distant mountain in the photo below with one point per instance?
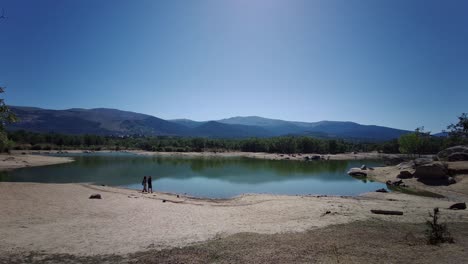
(275, 126)
(441, 134)
(353, 130)
(327, 129)
(219, 130)
(187, 122)
(104, 121)
(100, 121)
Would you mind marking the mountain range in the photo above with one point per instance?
(104, 121)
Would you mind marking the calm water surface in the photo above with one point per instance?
(204, 177)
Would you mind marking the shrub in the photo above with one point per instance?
(36, 147)
(168, 149)
(437, 233)
(47, 147)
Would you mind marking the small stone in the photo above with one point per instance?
(95, 196)
(451, 180)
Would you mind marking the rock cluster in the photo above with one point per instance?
(457, 153)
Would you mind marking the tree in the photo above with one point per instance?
(414, 143)
(6, 116)
(459, 131)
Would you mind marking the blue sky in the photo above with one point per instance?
(398, 63)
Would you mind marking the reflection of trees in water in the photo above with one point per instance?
(4, 176)
(248, 170)
(277, 166)
(124, 170)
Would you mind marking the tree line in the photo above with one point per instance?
(25, 140)
(416, 143)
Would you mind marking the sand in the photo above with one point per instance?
(276, 156)
(15, 161)
(258, 155)
(59, 218)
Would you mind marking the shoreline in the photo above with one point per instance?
(17, 161)
(54, 219)
(258, 155)
(275, 156)
(380, 174)
(60, 219)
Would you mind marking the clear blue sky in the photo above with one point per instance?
(398, 63)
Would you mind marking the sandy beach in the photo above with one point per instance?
(59, 218)
(18, 160)
(59, 221)
(257, 155)
(276, 156)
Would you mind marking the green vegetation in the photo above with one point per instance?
(420, 142)
(6, 116)
(288, 145)
(437, 233)
(416, 143)
(458, 133)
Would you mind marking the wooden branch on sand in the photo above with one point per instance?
(386, 212)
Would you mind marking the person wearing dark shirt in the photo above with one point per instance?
(144, 182)
(150, 184)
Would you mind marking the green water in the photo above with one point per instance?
(204, 177)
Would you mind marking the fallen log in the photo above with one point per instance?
(387, 212)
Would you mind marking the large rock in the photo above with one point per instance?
(458, 156)
(444, 154)
(408, 165)
(458, 206)
(357, 172)
(432, 174)
(422, 161)
(405, 175)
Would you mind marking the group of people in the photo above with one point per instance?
(147, 185)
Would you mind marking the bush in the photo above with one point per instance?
(36, 147)
(168, 149)
(47, 147)
(437, 233)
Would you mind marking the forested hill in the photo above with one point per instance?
(104, 121)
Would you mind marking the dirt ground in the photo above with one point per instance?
(372, 241)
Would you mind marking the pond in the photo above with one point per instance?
(204, 177)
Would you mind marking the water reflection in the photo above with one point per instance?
(206, 177)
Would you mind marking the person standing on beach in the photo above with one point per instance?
(144, 182)
(150, 184)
